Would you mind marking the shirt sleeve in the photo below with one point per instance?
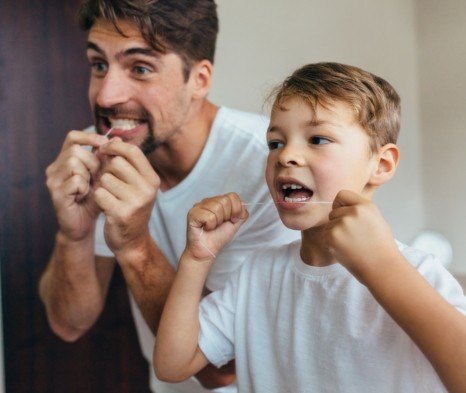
(443, 281)
(101, 247)
(217, 322)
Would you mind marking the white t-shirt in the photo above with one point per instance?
(233, 160)
(297, 328)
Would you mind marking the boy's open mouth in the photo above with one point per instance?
(295, 193)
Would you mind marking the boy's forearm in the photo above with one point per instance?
(176, 355)
(436, 327)
(70, 288)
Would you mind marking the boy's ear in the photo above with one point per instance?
(386, 164)
(201, 78)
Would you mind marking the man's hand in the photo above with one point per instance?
(68, 181)
(358, 235)
(212, 223)
(126, 193)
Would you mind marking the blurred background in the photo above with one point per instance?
(417, 45)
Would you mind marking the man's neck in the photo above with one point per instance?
(175, 160)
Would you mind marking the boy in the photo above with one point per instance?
(342, 310)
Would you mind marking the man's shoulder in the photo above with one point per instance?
(243, 121)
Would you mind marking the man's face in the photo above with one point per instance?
(312, 157)
(139, 93)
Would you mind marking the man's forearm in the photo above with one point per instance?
(149, 277)
(71, 289)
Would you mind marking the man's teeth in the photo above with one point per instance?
(124, 124)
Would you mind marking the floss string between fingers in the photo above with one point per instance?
(250, 204)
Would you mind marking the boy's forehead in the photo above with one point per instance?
(336, 112)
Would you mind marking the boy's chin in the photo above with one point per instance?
(301, 224)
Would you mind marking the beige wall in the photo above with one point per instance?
(442, 65)
(262, 41)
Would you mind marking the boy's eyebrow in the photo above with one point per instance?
(312, 123)
(146, 51)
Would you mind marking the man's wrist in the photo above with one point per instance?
(65, 241)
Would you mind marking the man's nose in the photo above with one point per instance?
(292, 155)
(113, 89)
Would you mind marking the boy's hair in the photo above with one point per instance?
(186, 27)
(375, 102)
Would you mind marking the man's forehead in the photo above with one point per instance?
(128, 31)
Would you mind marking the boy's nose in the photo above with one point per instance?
(113, 90)
(291, 156)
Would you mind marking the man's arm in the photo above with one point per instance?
(361, 240)
(74, 286)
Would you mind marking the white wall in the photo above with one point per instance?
(262, 41)
(442, 32)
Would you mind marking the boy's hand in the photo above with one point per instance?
(212, 223)
(358, 235)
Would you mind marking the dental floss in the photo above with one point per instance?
(108, 132)
(248, 204)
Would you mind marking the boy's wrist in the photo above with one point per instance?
(195, 267)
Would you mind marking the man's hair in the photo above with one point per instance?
(375, 102)
(186, 27)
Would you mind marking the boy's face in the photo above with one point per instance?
(312, 157)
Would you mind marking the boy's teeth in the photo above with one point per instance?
(292, 186)
(294, 200)
(123, 124)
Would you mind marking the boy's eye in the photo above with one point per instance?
(319, 140)
(140, 70)
(273, 145)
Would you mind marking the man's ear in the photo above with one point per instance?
(385, 165)
(201, 78)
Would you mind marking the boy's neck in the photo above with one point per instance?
(314, 252)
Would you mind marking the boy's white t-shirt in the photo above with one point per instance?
(298, 328)
(233, 160)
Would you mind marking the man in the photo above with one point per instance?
(160, 147)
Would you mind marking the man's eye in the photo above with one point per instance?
(273, 145)
(319, 140)
(99, 67)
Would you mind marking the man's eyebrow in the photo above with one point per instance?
(95, 47)
(146, 51)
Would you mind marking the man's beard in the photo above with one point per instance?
(101, 115)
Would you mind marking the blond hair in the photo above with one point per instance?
(375, 102)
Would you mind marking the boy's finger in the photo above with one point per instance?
(347, 198)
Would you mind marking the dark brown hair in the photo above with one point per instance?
(375, 102)
(186, 27)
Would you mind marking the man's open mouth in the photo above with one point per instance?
(122, 124)
(295, 193)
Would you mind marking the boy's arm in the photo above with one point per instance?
(361, 240)
(211, 224)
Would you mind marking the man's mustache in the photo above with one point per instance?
(141, 114)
